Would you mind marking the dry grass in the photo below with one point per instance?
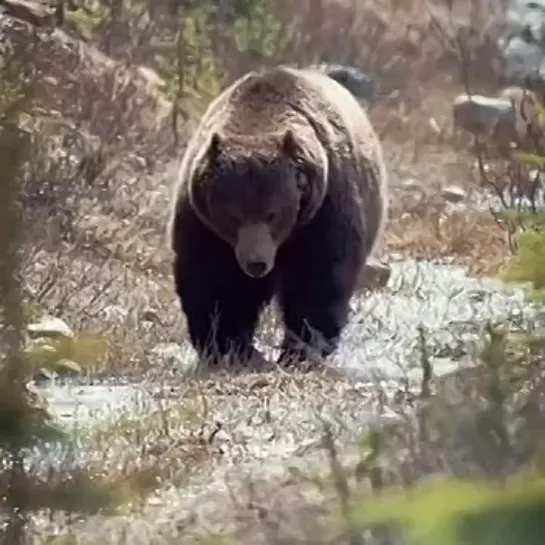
(116, 268)
(473, 241)
(96, 257)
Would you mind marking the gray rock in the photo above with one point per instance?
(482, 114)
(453, 194)
(523, 42)
(509, 118)
(523, 59)
(43, 375)
(357, 82)
(50, 326)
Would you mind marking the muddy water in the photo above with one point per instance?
(280, 423)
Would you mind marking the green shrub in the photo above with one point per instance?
(459, 512)
(528, 263)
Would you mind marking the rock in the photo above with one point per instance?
(537, 177)
(522, 40)
(375, 275)
(35, 13)
(512, 117)
(526, 108)
(43, 375)
(523, 43)
(67, 367)
(49, 326)
(523, 59)
(411, 185)
(453, 194)
(357, 82)
(481, 114)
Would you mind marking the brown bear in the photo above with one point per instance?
(281, 192)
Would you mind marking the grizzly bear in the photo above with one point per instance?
(281, 192)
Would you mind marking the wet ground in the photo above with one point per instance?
(270, 421)
(484, 201)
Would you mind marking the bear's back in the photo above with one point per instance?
(277, 98)
(281, 98)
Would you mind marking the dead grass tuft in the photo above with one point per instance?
(474, 240)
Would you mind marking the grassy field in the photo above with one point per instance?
(260, 456)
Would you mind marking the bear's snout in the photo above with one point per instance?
(255, 250)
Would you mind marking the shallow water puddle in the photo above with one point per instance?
(383, 334)
(382, 338)
(484, 201)
(84, 404)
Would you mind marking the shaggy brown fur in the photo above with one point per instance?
(281, 191)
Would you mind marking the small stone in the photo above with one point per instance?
(375, 275)
(68, 367)
(453, 194)
(434, 125)
(537, 177)
(43, 375)
(482, 114)
(411, 185)
(49, 326)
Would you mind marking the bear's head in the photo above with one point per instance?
(253, 192)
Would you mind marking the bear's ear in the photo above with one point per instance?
(290, 146)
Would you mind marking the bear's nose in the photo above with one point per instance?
(256, 268)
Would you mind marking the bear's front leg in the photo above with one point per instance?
(314, 318)
(319, 270)
(221, 304)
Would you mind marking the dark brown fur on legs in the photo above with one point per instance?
(281, 191)
(221, 303)
(318, 272)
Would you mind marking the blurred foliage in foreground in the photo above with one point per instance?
(496, 427)
(26, 424)
(505, 412)
(459, 512)
(528, 264)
